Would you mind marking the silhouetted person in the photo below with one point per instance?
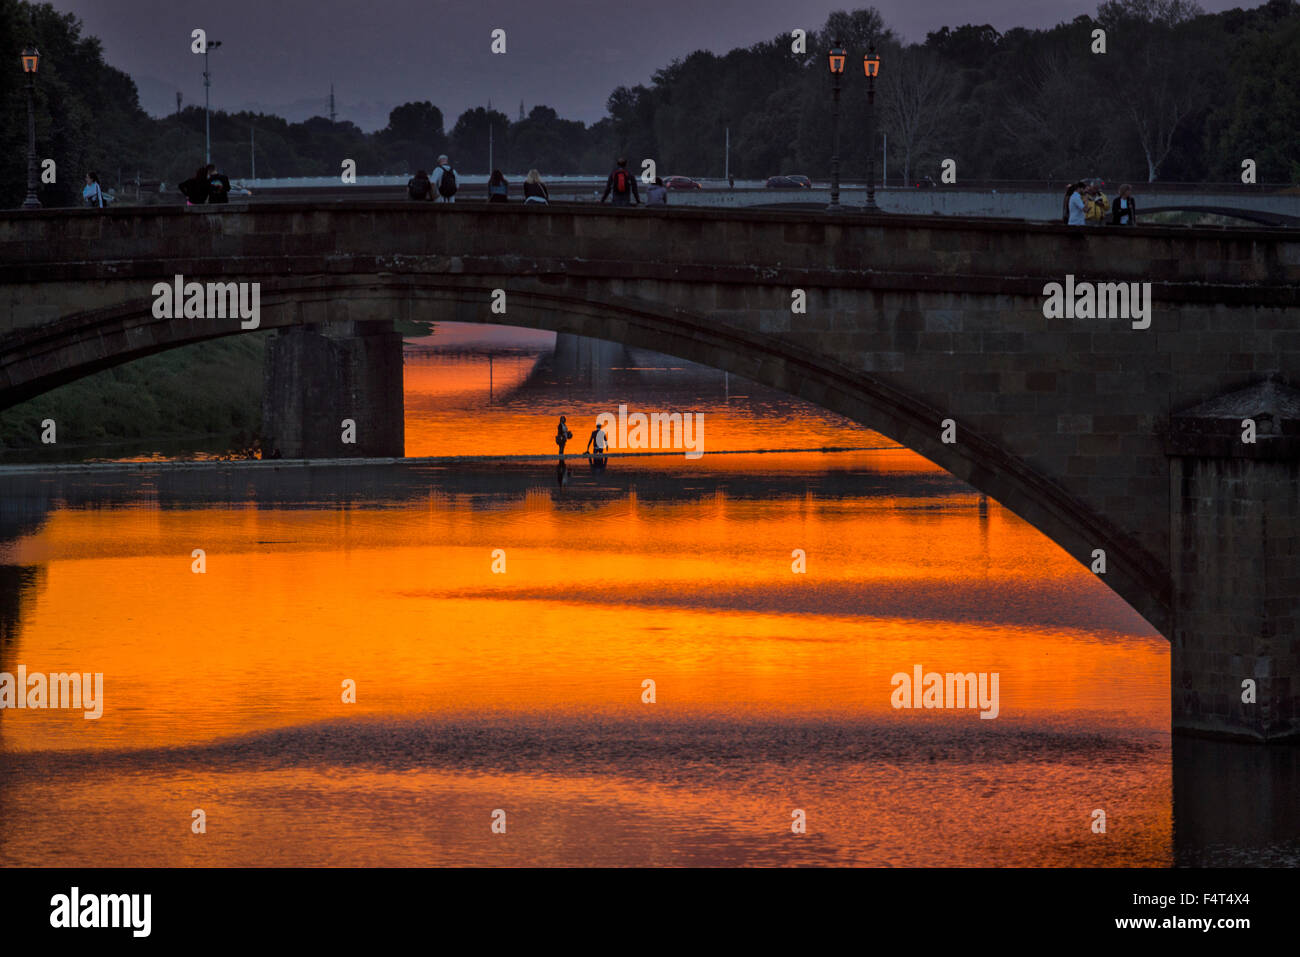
(597, 439)
(419, 186)
(1124, 212)
(195, 189)
(218, 185)
(535, 190)
(498, 187)
(621, 185)
(657, 194)
(562, 435)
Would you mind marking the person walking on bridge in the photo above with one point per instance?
(621, 185)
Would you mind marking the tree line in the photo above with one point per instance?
(1177, 94)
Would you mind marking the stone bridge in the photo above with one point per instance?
(1109, 438)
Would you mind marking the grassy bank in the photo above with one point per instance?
(210, 388)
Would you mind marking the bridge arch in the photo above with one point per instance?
(89, 341)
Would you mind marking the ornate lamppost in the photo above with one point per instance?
(836, 64)
(31, 60)
(871, 67)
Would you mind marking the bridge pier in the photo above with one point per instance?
(318, 379)
(1235, 556)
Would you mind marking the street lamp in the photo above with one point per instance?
(836, 63)
(871, 67)
(207, 101)
(31, 60)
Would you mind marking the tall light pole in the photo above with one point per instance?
(207, 101)
(836, 64)
(31, 60)
(871, 66)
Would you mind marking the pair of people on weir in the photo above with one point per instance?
(207, 185)
(598, 441)
(535, 190)
(440, 187)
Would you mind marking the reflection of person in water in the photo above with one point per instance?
(562, 473)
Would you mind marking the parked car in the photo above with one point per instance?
(925, 182)
(803, 181)
(784, 182)
(681, 182)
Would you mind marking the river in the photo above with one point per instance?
(500, 622)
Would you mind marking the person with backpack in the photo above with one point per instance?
(444, 180)
(195, 189)
(535, 190)
(498, 187)
(92, 195)
(622, 186)
(1125, 211)
(419, 186)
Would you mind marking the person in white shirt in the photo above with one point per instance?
(597, 439)
(444, 193)
(1078, 209)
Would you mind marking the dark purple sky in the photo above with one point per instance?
(280, 55)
